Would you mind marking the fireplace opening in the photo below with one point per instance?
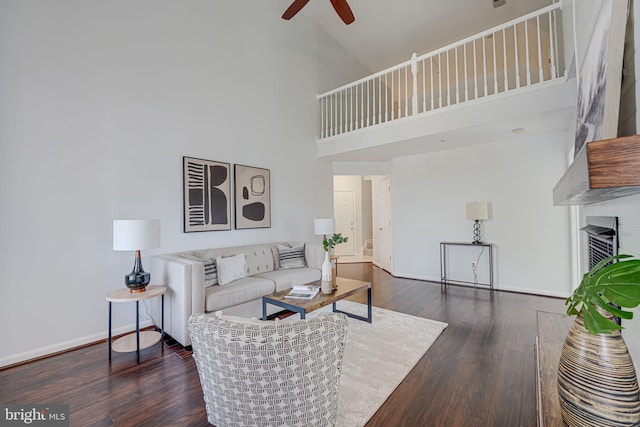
(602, 238)
(602, 241)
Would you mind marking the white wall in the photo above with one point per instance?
(100, 101)
(530, 234)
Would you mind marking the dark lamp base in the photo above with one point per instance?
(137, 282)
(138, 279)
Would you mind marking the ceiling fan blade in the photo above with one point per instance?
(343, 10)
(294, 8)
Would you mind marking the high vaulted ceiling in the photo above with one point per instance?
(387, 32)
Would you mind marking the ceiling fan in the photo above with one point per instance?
(341, 6)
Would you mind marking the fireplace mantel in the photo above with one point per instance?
(603, 170)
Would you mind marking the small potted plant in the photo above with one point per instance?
(596, 376)
(327, 284)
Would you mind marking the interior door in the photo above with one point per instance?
(383, 232)
(344, 207)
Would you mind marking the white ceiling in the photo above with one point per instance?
(387, 32)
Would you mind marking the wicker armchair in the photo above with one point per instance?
(256, 373)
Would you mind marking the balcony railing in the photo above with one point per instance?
(517, 54)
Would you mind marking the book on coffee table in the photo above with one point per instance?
(303, 292)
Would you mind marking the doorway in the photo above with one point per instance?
(353, 212)
(344, 212)
(383, 253)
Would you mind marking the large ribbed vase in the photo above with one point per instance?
(597, 382)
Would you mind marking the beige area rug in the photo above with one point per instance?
(377, 357)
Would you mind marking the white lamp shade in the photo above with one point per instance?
(323, 226)
(136, 234)
(477, 210)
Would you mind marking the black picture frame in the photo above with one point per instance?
(252, 197)
(206, 195)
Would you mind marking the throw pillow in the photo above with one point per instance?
(291, 257)
(210, 273)
(210, 270)
(231, 268)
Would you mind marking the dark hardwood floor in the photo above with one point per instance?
(479, 372)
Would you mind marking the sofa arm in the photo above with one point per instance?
(314, 253)
(184, 279)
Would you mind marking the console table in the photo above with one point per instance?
(443, 262)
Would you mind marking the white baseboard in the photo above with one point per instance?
(541, 292)
(67, 345)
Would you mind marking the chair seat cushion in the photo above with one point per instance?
(238, 292)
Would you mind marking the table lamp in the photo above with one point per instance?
(477, 211)
(134, 235)
(324, 226)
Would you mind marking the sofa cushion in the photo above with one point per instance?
(291, 257)
(231, 268)
(241, 290)
(293, 276)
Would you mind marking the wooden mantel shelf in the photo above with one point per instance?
(603, 170)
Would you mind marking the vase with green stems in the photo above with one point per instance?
(326, 284)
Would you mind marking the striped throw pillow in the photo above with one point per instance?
(291, 257)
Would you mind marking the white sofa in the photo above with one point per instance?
(184, 274)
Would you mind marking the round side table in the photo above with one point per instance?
(138, 340)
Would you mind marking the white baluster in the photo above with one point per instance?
(431, 76)
(414, 74)
(386, 97)
(424, 86)
(379, 99)
(362, 107)
(540, 70)
(475, 70)
(368, 103)
(466, 87)
(350, 108)
(337, 113)
(448, 82)
(552, 41)
(393, 98)
(484, 66)
(320, 132)
(457, 79)
(439, 81)
(504, 51)
(515, 38)
(406, 91)
(495, 66)
(526, 46)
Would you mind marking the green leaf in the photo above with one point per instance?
(334, 240)
(596, 323)
(613, 310)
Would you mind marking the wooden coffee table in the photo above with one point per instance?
(346, 288)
